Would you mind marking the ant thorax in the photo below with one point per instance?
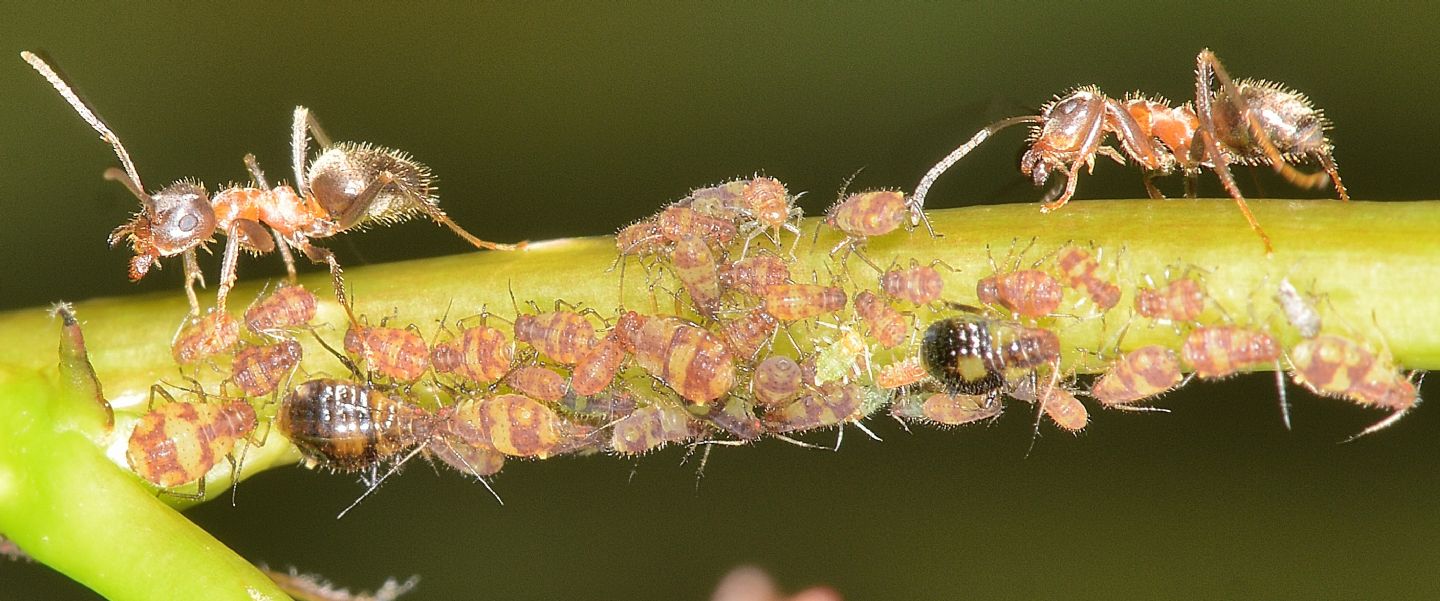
(345, 173)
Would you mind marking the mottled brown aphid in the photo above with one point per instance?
(958, 409)
(513, 424)
(686, 357)
(1078, 270)
(474, 457)
(776, 381)
(736, 417)
(752, 275)
(676, 222)
(652, 427)
(900, 374)
(640, 238)
(794, 302)
(1027, 292)
(694, 265)
(563, 336)
(1138, 375)
(1335, 366)
(258, 369)
(178, 443)
(918, 284)
(285, 308)
(537, 382)
(350, 426)
(1214, 352)
(608, 404)
(214, 334)
(596, 369)
(830, 405)
(395, 353)
(746, 334)
(863, 215)
(480, 354)
(887, 325)
(1181, 300)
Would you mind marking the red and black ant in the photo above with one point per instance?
(347, 186)
(1245, 122)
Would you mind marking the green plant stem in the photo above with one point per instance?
(73, 505)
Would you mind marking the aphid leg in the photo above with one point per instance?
(1205, 111)
(917, 200)
(1284, 400)
(227, 265)
(375, 482)
(473, 472)
(867, 431)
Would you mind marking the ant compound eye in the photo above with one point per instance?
(188, 222)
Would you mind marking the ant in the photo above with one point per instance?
(347, 186)
(1245, 122)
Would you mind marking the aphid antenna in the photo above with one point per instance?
(461, 457)
(857, 423)
(1041, 400)
(350, 365)
(1280, 387)
(376, 482)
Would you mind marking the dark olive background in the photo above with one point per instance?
(547, 120)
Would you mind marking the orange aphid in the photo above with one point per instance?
(794, 302)
(865, 214)
(747, 333)
(753, 274)
(475, 457)
(396, 353)
(652, 427)
(214, 334)
(887, 325)
(1077, 270)
(537, 382)
(1061, 406)
(513, 424)
(563, 336)
(1218, 351)
(695, 267)
(686, 357)
(258, 370)
(640, 238)
(1026, 292)
(596, 369)
(831, 404)
(288, 306)
(1138, 375)
(1179, 300)
(1335, 366)
(901, 374)
(481, 354)
(918, 284)
(776, 381)
(676, 222)
(958, 409)
(179, 443)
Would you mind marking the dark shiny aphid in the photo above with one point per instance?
(349, 426)
(960, 354)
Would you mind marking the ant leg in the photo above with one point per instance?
(299, 141)
(917, 200)
(1085, 155)
(1206, 112)
(1328, 163)
(227, 265)
(1150, 188)
(337, 277)
(192, 275)
(285, 255)
(253, 167)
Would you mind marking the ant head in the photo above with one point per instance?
(178, 218)
(357, 183)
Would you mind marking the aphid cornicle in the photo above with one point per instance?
(178, 443)
(347, 186)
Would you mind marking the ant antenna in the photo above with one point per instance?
(90, 117)
(918, 199)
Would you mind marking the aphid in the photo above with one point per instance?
(838, 359)
(652, 427)
(958, 410)
(676, 222)
(258, 369)
(747, 333)
(887, 325)
(1218, 351)
(695, 267)
(396, 353)
(901, 374)
(513, 424)
(480, 354)
(1137, 375)
(1335, 366)
(640, 238)
(214, 334)
(537, 382)
(178, 443)
(596, 369)
(829, 405)
(737, 417)
(286, 307)
(474, 457)
(794, 302)
(1056, 402)
(1027, 292)
(762, 203)
(918, 284)
(1180, 300)
(1077, 270)
(863, 215)
(752, 275)
(350, 426)
(1299, 310)
(563, 336)
(684, 356)
(776, 381)
(347, 186)
(1251, 122)
(608, 405)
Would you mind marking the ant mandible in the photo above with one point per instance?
(1246, 122)
(348, 185)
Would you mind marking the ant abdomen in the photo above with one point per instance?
(1293, 125)
(357, 182)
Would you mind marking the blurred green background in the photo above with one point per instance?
(547, 120)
